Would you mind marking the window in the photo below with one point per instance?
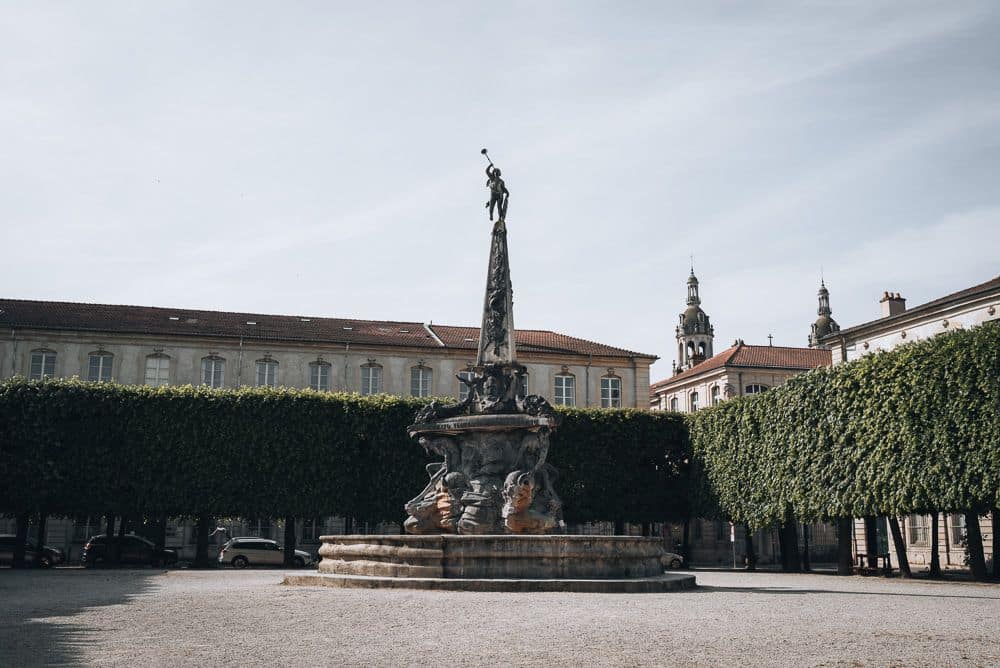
(919, 530)
(371, 379)
(755, 389)
(213, 371)
(43, 364)
(267, 373)
(420, 381)
(523, 390)
(259, 528)
(100, 367)
(565, 390)
(157, 370)
(694, 401)
(957, 529)
(611, 392)
(463, 389)
(319, 376)
(716, 395)
(312, 529)
(84, 527)
(674, 405)
(721, 533)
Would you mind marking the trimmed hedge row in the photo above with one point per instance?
(913, 430)
(69, 447)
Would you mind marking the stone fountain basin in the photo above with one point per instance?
(492, 556)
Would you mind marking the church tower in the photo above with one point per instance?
(694, 332)
(824, 323)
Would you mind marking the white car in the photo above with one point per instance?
(244, 552)
(672, 560)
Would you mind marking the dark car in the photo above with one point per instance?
(45, 557)
(132, 550)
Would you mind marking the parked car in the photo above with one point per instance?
(243, 552)
(133, 550)
(672, 560)
(46, 556)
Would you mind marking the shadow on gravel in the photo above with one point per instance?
(29, 599)
(708, 589)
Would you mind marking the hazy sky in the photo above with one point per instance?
(323, 158)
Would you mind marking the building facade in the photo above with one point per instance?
(167, 346)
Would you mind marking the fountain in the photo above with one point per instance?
(489, 518)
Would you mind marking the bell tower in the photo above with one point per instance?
(694, 331)
(824, 324)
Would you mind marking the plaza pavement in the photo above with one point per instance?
(236, 618)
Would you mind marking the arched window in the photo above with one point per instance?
(690, 348)
(463, 389)
(565, 390)
(694, 401)
(267, 373)
(420, 381)
(319, 376)
(523, 390)
(611, 392)
(673, 404)
(716, 395)
(371, 378)
(99, 369)
(157, 370)
(701, 348)
(213, 370)
(43, 364)
(755, 388)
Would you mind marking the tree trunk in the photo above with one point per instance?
(201, 542)
(348, 525)
(619, 527)
(289, 541)
(789, 539)
(42, 523)
(647, 529)
(900, 545)
(871, 543)
(686, 542)
(996, 543)
(20, 541)
(935, 571)
(751, 555)
(161, 533)
(845, 562)
(974, 542)
(806, 566)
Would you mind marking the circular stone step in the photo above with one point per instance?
(648, 585)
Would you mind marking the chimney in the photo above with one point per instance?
(892, 304)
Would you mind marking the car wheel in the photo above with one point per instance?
(675, 563)
(240, 562)
(45, 562)
(300, 562)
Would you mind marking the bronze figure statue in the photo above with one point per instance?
(499, 195)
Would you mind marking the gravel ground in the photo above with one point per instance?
(197, 618)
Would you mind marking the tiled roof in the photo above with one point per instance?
(118, 319)
(764, 357)
(989, 286)
(535, 341)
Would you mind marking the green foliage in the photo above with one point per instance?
(916, 429)
(70, 447)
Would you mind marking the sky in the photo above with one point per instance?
(324, 159)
